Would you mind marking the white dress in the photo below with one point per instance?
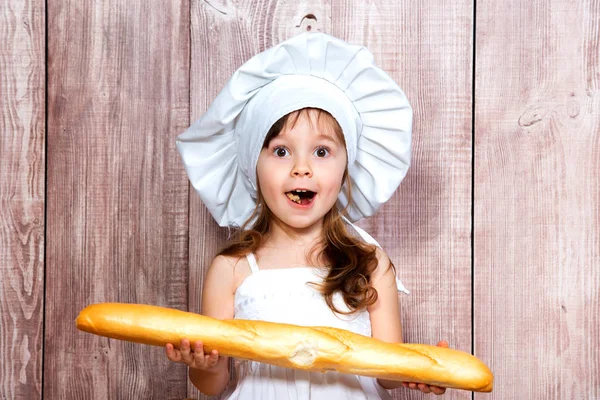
(282, 295)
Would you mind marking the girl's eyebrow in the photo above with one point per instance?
(320, 136)
(327, 138)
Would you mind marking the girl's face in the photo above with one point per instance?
(300, 172)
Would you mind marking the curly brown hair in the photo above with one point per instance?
(351, 261)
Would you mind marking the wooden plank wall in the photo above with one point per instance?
(117, 204)
(22, 187)
(426, 226)
(537, 197)
(428, 214)
(503, 261)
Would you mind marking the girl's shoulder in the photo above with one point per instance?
(217, 288)
(231, 269)
(384, 263)
(226, 262)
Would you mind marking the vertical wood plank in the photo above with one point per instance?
(425, 228)
(22, 186)
(118, 84)
(537, 198)
(224, 35)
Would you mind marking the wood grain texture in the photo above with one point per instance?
(537, 198)
(225, 34)
(22, 186)
(425, 228)
(118, 84)
(118, 228)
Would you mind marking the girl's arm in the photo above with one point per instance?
(385, 313)
(385, 317)
(217, 302)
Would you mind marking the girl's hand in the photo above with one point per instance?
(427, 388)
(193, 358)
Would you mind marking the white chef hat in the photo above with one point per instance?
(220, 150)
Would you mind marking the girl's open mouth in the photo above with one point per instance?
(301, 197)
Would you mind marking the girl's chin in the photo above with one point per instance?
(299, 226)
(301, 222)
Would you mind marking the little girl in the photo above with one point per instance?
(305, 137)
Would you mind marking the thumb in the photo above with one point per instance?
(442, 343)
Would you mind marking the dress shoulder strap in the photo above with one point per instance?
(252, 261)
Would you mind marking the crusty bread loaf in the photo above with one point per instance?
(290, 346)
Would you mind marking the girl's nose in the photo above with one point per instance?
(301, 168)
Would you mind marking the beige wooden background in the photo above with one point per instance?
(496, 229)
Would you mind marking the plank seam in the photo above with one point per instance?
(189, 205)
(473, 71)
(45, 236)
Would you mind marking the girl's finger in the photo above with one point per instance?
(437, 390)
(442, 343)
(424, 388)
(199, 348)
(405, 384)
(197, 356)
(213, 358)
(413, 385)
(172, 354)
(186, 354)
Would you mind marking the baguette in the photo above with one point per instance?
(290, 346)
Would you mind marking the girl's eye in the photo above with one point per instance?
(280, 151)
(322, 152)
